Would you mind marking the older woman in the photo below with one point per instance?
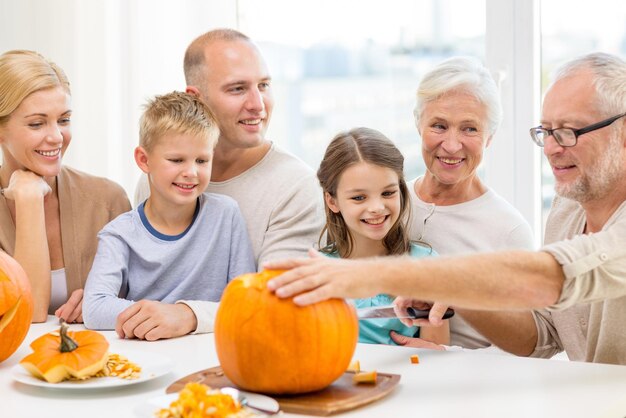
(49, 214)
(457, 113)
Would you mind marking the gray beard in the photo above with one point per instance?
(598, 182)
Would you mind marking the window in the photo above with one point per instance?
(567, 32)
(377, 52)
(342, 64)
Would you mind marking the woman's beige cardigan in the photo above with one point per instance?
(86, 204)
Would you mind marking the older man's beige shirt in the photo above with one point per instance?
(588, 321)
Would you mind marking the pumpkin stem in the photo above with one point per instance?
(67, 344)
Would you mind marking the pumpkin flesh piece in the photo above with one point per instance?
(365, 377)
(354, 366)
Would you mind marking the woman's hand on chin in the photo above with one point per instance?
(26, 184)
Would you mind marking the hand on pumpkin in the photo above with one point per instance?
(72, 310)
(319, 278)
(27, 184)
(151, 320)
(435, 317)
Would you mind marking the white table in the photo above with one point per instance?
(445, 384)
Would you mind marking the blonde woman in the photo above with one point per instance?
(49, 214)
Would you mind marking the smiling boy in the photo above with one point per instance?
(278, 194)
(177, 250)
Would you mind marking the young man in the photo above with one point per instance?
(180, 244)
(278, 194)
(578, 279)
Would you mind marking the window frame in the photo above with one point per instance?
(512, 51)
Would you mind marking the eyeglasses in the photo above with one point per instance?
(567, 137)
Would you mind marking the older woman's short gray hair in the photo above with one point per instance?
(609, 77)
(464, 74)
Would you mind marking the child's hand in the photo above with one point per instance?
(72, 310)
(437, 310)
(414, 342)
(151, 320)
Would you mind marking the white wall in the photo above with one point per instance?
(117, 53)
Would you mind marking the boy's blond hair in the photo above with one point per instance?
(176, 112)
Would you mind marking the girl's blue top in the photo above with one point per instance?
(376, 331)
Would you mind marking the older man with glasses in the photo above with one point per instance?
(570, 295)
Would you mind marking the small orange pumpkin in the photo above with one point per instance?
(271, 345)
(16, 305)
(59, 356)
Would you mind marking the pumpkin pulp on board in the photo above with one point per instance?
(57, 357)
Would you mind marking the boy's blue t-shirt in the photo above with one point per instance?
(134, 261)
(376, 331)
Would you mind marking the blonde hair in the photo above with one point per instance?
(176, 112)
(23, 73)
(194, 64)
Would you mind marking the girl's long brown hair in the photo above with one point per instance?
(346, 149)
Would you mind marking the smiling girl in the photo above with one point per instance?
(367, 208)
(49, 214)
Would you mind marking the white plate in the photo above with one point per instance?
(152, 366)
(148, 407)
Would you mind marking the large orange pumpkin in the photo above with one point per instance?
(271, 345)
(16, 305)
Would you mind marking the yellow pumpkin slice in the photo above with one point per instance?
(354, 366)
(67, 354)
(365, 377)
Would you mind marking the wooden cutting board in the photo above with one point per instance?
(342, 395)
